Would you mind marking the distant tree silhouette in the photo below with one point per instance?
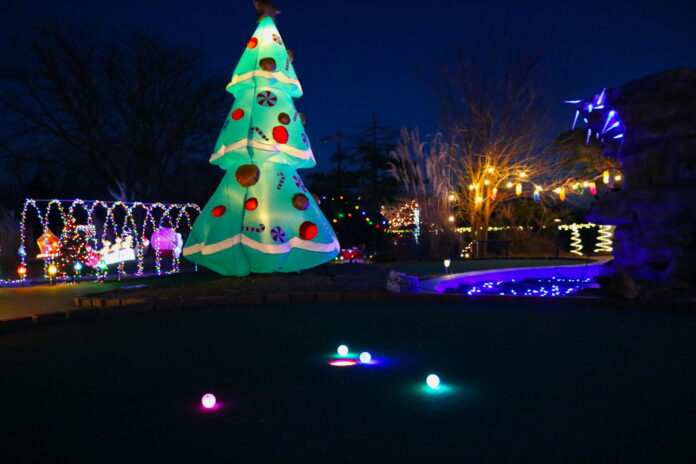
(99, 114)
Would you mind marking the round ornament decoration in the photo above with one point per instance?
(266, 98)
(208, 401)
(238, 114)
(251, 204)
(280, 134)
(300, 201)
(252, 43)
(218, 211)
(268, 64)
(308, 230)
(278, 234)
(165, 239)
(247, 175)
(284, 118)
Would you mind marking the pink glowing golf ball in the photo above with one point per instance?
(208, 401)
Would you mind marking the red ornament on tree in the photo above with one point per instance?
(218, 211)
(280, 134)
(251, 204)
(253, 42)
(238, 114)
(308, 230)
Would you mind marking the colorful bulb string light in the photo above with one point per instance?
(118, 219)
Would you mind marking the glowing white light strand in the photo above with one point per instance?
(605, 239)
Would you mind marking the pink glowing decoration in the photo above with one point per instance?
(166, 239)
(208, 401)
(343, 362)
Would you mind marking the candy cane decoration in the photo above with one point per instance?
(294, 116)
(281, 181)
(260, 132)
(260, 228)
(298, 183)
(287, 64)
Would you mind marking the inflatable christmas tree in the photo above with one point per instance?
(261, 218)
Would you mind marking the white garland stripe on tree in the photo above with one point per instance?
(279, 248)
(267, 74)
(272, 147)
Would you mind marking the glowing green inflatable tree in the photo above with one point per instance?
(261, 218)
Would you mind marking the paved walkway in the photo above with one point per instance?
(41, 299)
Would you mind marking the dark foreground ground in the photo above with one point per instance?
(529, 383)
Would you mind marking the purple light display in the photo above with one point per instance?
(601, 120)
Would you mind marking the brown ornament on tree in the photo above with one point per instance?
(302, 118)
(268, 64)
(265, 8)
(247, 175)
(291, 55)
(300, 201)
(284, 118)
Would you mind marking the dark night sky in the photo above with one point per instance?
(358, 57)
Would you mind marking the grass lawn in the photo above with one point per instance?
(529, 383)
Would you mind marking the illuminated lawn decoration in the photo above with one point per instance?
(604, 238)
(343, 362)
(208, 401)
(262, 218)
(365, 357)
(48, 244)
(119, 252)
(433, 381)
(601, 120)
(342, 350)
(100, 234)
(529, 287)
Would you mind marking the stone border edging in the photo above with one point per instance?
(91, 306)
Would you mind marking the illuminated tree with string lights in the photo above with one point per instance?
(495, 109)
(72, 248)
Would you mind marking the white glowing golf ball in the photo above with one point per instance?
(208, 400)
(365, 357)
(342, 350)
(433, 381)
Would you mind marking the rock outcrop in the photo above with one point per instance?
(655, 211)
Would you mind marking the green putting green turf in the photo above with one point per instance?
(525, 383)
